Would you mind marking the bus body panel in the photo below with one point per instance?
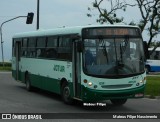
(90, 95)
(103, 89)
(47, 74)
(153, 63)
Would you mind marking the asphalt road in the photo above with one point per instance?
(14, 98)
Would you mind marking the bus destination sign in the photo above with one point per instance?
(111, 32)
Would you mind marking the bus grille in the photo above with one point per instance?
(116, 86)
(118, 96)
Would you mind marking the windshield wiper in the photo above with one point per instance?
(104, 48)
(124, 44)
(123, 47)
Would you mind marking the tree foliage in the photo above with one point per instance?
(149, 10)
(109, 14)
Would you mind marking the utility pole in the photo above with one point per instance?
(29, 21)
(38, 14)
(2, 38)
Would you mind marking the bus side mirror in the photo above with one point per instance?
(146, 52)
(79, 46)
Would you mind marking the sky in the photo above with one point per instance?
(53, 14)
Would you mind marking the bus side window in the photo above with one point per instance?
(31, 47)
(41, 47)
(38, 53)
(64, 49)
(24, 47)
(51, 53)
(51, 50)
(156, 56)
(152, 56)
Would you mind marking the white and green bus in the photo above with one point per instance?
(87, 63)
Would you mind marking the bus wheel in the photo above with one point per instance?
(28, 83)
(118, 102)
(66, 94)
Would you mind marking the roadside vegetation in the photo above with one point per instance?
(153, 86)
(7, 66)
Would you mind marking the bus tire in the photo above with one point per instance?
(118, 102)
(66, 96)
(28, 83)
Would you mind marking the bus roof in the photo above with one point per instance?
(157, 49)
(63, 30)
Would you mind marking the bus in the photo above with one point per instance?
(153, 63)
(85, 63)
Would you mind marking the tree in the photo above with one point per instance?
(149, 10)
(108, 15)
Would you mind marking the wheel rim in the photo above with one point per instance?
(27, 85)
(66, 92)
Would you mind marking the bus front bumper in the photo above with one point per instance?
(93, 95)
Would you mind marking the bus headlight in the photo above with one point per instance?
(143, 80)
(90, 83)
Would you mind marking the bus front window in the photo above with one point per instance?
(112, 57)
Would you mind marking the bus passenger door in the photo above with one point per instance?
(17, 54)
(76, 71)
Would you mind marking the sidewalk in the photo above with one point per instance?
(5, 72)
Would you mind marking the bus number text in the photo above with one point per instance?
(59, 68)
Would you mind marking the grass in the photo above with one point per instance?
(7, 66)
(153, 86)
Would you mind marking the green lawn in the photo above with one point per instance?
(7, 66)
(153, 86)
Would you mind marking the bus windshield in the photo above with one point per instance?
(113, 56)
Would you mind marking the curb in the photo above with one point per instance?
(157, 97)
(5, 72)
(152, 97)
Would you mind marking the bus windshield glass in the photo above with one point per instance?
(116, 56)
